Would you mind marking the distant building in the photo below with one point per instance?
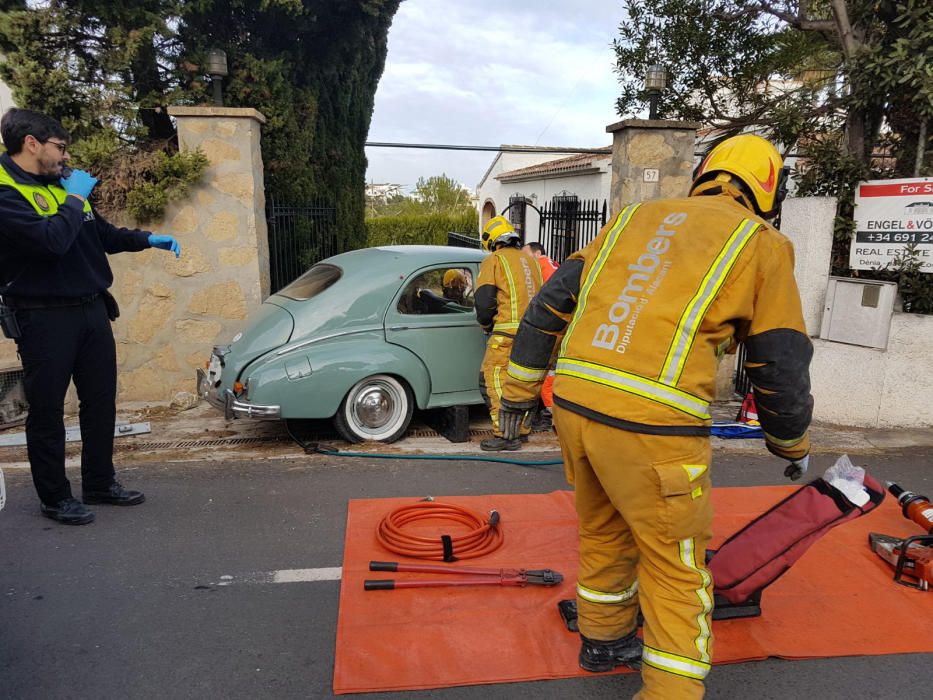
(537, 177)
(380, 193)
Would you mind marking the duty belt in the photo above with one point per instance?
(48, 302)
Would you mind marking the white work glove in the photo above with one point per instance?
(797, 468)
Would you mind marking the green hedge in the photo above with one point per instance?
(428, 229)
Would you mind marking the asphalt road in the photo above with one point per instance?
(137, 605)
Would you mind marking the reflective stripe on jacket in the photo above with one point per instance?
(45, 199)
(508, 279)
(646, 311)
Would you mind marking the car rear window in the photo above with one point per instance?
(312, 283)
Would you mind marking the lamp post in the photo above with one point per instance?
(217, 69)
(655, 82)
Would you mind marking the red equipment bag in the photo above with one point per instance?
(758, 554)
(748, 413)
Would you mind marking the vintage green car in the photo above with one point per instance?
(363, 337)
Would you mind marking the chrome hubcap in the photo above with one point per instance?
(373, 407)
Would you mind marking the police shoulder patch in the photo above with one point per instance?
(40, 201)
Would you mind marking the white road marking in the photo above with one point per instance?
(333, 573)
(299, 575)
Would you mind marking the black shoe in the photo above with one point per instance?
(70, 511)
(600, 657)
(116, 495)
(495, 444)
(542, 421)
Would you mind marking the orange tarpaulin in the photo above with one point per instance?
(838, 600)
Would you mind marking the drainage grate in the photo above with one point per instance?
(215, 442)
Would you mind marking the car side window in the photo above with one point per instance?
(445, 290)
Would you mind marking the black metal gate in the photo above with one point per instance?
(517, 213)
(741, 384)
(299, 236)
(568, 223)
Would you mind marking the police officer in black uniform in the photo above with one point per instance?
(54, 278)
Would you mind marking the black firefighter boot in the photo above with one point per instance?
(600, 657)
(495, 444)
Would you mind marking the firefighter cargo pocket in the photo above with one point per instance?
(684, 498)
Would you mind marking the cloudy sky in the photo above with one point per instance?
(491, 72)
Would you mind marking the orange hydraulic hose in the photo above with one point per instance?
(484, 536)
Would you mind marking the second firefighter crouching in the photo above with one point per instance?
(508, 279)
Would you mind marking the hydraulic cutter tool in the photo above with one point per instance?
(472, 576)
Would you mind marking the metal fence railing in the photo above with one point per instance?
(568, 224)
(13, 406)
(462, 240)
(299, 236)
(741, 383)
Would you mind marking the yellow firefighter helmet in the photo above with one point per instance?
(498, 230)
(454, 279)
(750, 162)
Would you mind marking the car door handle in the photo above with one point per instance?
(399, 328)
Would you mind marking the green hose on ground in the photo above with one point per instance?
(450, 458)
(315, 448)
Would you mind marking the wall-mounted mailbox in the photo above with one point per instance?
(858, 311)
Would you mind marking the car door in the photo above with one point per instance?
(433, 316)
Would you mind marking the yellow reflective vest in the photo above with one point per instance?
(508, 279)
(646, 311)
(39, 195)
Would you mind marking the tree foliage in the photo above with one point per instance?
(845, 84)
(441, 193)
(420, 229)
(109, 70)
(312, 69)
(438, 194)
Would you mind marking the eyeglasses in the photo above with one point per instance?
(62, 147)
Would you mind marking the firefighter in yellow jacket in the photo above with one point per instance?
(507, 281)
(643, 315)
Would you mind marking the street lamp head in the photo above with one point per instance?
(217, 63)
(217, 69)
(656, 78)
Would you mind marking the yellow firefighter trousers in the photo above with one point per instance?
(492, 375)
(645, 520)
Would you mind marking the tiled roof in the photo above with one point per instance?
(580, 161)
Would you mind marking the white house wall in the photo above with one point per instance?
(540, 191)
(889, 388)
(498, 193)
(854, 385)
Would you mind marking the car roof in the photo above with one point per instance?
(405, 258)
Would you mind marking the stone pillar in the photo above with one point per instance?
(651, 159)
(232, 208)
(174, 311)
(808, 223)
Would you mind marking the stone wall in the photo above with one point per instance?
(173, 311)
(651, 159)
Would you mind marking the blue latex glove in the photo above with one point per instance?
(165, 243)
(79, 183)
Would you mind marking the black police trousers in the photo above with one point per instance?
(58, 344)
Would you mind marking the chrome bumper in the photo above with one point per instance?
(230, 405)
